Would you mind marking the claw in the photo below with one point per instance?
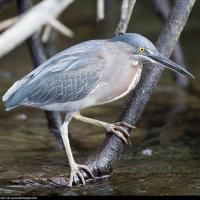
(124, 131)
(118, 128)
(86, 169)
(125, 124)
(120, 135)
(81, 177)
(77, 173)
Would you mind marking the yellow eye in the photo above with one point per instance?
(141, 50)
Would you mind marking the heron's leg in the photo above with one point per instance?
(116, 128)
(76, 169)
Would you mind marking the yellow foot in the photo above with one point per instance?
(77, 172)
(118, 129)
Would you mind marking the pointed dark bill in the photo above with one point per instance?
(169, 64)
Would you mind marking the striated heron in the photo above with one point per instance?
(90, 73)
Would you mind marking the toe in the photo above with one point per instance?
(86, 169)
(120, 135)
(79, 174)
(122, 130)
(81, 177)
(71, 179)
(125, 124)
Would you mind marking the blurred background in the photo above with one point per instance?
(164, 157)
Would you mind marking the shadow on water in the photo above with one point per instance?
(164, 157)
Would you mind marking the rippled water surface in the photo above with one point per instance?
(168, 130)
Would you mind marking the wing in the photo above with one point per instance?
(64, 87)
(67, 60)
(68, 76)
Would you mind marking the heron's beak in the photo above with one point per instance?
(158, 58)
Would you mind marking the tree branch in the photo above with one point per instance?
(163, 8)
(38, 57)
(126, 11)
(100, 10)
(37, 17)
(101, 161)
(7, 23)
(61, 28)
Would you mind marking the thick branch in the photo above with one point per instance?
(126, 11)
(38, 57)
(7, 23)
(101, 161)
(32, 21)
(163, 9)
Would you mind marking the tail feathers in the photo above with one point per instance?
(15, 99)
(10, 91)
(15, 87)
(15, 94)
(10, 108)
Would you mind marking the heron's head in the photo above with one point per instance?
(145, 51)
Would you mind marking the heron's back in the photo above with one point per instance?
(67, 76)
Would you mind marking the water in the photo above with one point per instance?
(30, 161)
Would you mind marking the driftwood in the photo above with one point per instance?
(7, 23)
(38, 16)
(38, 56)
(53, 23)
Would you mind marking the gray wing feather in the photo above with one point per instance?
(68, 76)
(64, 87)
(67, 60)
